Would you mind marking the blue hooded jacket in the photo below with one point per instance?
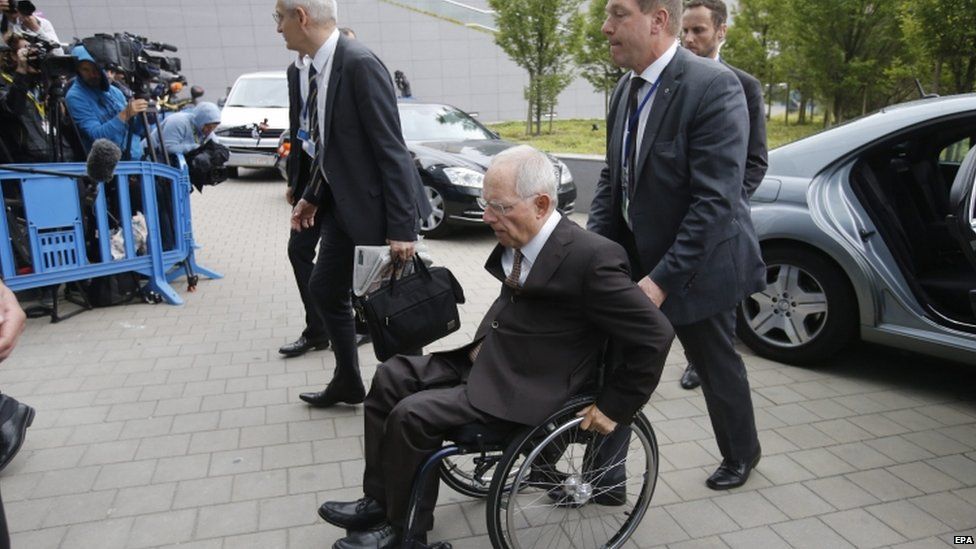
(96, 111)
(182, 132)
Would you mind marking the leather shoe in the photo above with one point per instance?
(17, 417)
(363, 339)
(301, 346)
(382, 537)
(732, 474)
(332, 395)
(690, 379)
(361, 514)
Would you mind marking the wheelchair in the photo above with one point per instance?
(545, 485)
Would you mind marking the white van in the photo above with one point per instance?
(257, 100)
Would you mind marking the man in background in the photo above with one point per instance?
(362, 175)
(703, 32)
(301, 243)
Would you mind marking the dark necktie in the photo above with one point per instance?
(312, 107)
(631, 148)
(512, 280)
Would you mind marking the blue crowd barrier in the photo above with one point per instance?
(54, 210)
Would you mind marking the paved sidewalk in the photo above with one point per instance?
(162, 426)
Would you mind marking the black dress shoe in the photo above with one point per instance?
(732, 474)
(690, 379)
(361, 514)
(301, 346)
(382, 537)
(333, 395)
(16, 417)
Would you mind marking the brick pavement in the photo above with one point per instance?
(164, 426)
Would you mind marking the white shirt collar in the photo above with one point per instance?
(326, 51)
(653, 72)
(531, 251)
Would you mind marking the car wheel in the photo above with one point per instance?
(435, 226)
(807, 312)
(233, 172)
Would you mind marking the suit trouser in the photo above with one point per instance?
(708, 344)
(301, 253)
(410, 407)
(330, 286)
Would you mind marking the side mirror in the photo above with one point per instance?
(221, 102)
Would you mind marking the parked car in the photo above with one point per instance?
(254, 116)
(867, 230)
(452, 150)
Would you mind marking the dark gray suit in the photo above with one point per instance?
(692, 233)
(539, 345)
(371, 192)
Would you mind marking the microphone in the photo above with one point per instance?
(102, 159)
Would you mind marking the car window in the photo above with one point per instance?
(259, 92)
(956, 152)
(439, 123)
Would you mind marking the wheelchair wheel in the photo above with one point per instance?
(470, 474)
(560, 486)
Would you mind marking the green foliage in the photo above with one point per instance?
(591, 52)
(942, 35)
(533, 34)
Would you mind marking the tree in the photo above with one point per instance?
(943, 35)
(847, 46)
(533, 34)
(591, 51)
(753, 41)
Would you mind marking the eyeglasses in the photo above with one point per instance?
(277, 17)
(498, 207)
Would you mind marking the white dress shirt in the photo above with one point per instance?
(650, 75)
(530, 252)
(323, 69)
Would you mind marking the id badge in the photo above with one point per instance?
(303, 135)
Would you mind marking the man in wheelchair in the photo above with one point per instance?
(564, 292)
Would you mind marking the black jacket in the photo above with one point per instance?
(372, 177)
(22, 127)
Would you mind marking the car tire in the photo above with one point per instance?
(233, 172)
(435, 226)
(807, 313)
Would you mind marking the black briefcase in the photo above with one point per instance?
(409, 312)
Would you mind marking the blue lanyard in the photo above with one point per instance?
(634, 120)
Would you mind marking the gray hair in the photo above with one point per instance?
(319, 11)
(534, 171)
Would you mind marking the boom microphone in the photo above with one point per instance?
(102, 159)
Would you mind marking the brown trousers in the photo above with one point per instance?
(412, 404)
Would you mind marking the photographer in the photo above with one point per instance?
(26, 134)
(100, 110)
(188, 130)
(19, 17)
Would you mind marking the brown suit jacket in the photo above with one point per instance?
(542, 342)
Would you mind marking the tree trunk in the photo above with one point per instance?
(528, 116)
(936, 88)
(802, 115)
(769, 100)
(864, 102)
(787, 115)
(538, 108)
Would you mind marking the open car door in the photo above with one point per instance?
(962, 221)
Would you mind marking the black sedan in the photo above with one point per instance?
(452, 150)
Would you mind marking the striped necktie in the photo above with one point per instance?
(312, 102)
(513, 278)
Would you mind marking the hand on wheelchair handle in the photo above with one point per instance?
(595, 420)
